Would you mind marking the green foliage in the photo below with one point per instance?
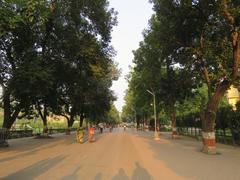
(157, 69)
(202, 37)
(1, 116)
(56, 57)
(113, 116)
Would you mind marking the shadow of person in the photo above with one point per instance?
(121, 175)
(140, 173)
(98, 176)
(73, 175)
(35, 170)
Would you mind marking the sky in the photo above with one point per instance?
(133, 16)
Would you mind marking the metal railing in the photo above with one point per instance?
(13, 134)
(197, 133)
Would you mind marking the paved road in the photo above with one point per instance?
(119, 155)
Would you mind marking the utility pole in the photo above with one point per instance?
(156, 135)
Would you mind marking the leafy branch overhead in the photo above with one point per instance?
(56, 57)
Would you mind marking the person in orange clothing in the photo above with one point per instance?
(91, 132)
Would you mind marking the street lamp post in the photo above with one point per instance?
(156, 135)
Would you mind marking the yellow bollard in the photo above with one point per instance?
(80, 136)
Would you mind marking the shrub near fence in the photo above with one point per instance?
(226, 138)
(20, 134)
(5, 135)
(227, 125)
(62, 130)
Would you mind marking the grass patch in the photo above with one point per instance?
(1, 117)
(37, 124)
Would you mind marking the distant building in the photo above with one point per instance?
(233, 96)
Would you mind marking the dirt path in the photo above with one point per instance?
(118, 156)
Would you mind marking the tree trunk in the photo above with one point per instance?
(81, 120)
(6, 110)
(6, 118)
(159, 124)
(144, 122)
(9, 117)
(224, 136)
(68, 130)
(208, 121)
(70, 124)
(173, 120)
(43, 116)
(70, 121)
(45, 127)
(138, 123)
(233, 136)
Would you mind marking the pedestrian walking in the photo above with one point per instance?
(91, 132)
(110, 128)
(101, 127)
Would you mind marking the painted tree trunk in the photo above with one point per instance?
(208, 121)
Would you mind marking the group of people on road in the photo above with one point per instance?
(91, 132)
(101, 126)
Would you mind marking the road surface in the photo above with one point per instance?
(119, 155)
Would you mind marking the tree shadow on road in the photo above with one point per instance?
(26, 144)
(36, 169)
(18, 156)
(23, 153)
(183, 158)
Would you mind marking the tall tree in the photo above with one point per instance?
(52, 52)
(209, 32)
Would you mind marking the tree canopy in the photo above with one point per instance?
(56, 57)
(189, 44)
